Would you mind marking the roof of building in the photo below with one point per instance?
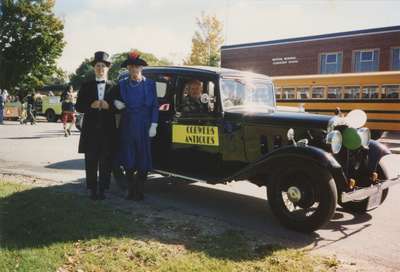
(363, 32)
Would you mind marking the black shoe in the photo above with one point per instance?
(69, 131)
(93, 195)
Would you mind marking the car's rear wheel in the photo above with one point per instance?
(302, 198)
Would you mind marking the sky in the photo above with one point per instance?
(165, 27)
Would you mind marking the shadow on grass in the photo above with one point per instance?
(41, 217)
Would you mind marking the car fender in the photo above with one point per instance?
(376, 151)
(267, 165)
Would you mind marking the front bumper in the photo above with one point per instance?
(361, 194)
(390, 165)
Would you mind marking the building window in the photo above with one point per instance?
(396, 58)
(330, 63)
(366, 60)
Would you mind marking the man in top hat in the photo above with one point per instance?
(136, 97)
(98, 128)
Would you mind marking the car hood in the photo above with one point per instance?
(280, 118)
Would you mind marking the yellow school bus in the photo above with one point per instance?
(377, 93)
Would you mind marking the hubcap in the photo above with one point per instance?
(294, 194)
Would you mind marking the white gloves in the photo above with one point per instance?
(119, 105)
(153, 130)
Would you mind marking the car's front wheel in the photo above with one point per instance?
(303, 198)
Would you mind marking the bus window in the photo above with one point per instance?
(352, 92)
(370, 92)
(303, 93)
(334, 92)
(278, 92)
(317, 92)
(391, 91)
(288, 93)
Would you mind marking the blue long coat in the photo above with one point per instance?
(141, 110)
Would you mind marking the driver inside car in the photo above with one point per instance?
(191, 101)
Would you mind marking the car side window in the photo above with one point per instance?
(193, 94)
(165, 84)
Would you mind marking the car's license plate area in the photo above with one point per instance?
(375, 199)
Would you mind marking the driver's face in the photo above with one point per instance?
(196, 90)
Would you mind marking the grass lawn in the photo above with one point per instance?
(42, 229)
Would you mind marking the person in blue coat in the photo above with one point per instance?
(136, 98)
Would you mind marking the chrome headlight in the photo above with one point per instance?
(334, 138)
(365, 136)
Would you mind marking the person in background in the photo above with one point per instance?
(136, 97)
(30, 111)
(98, 128)
(68, 113)
(2, 103)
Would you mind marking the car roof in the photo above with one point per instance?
(224, 72)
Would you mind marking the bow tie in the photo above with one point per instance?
(100, 81)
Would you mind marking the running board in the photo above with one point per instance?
(170, 174)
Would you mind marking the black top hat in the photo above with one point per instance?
(134, 58)
(101, 56)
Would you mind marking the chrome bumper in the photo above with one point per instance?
(360, 194)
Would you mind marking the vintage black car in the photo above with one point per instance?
(220, 125)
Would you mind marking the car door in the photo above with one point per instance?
(196, 126)
(161, 144)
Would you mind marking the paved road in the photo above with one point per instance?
(43, 151)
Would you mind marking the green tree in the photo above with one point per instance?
(31, 40)
(117, 60)
(206, 42)
(85, 70)
(83, 73)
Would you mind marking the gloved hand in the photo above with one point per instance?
(119, 105)
(153, 130)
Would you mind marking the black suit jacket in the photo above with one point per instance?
(98, 128)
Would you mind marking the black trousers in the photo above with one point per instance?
(98, 162)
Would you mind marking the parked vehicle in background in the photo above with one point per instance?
(48, 101)
(377, 93)
(12, 110)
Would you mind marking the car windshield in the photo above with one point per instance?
(247, 93)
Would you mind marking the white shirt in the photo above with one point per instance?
(101, 87)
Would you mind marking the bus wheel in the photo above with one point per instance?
(376, 134)
(51, 116)
(302, 198)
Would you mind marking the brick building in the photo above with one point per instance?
(367, 50)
